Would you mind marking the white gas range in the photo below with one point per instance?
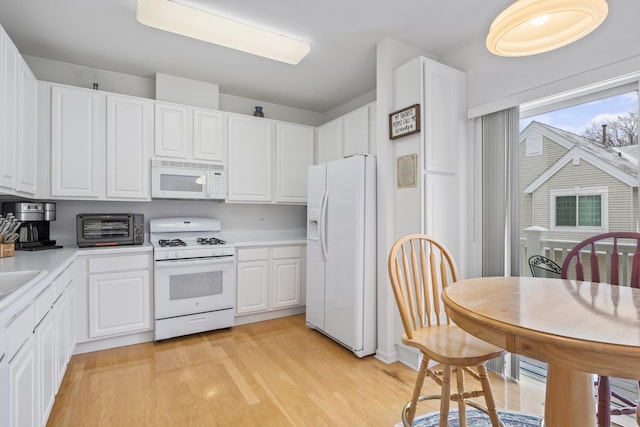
(194, 276)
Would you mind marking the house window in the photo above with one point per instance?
(579, 209)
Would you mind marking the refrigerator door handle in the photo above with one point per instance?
(322, 225)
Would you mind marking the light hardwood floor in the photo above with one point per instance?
(274, 373)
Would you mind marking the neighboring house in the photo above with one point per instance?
(574, 186)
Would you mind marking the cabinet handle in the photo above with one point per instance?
(2, 357)
(198, 320)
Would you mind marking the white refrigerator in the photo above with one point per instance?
(341, 252)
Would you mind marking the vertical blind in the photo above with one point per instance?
(500, 205)
(500, 193)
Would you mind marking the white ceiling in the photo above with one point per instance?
(343, 34)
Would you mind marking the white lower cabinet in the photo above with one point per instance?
(46, 343)
(269, 278)
(119, 294)
(23, 386)
(39, 346)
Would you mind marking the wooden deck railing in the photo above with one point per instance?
(536, 243)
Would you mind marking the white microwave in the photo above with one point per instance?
(187, 180)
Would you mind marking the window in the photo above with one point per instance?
(579, 209)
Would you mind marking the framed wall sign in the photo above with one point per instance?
(404, 122)
(406, 169)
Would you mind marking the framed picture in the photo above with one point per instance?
(404, 122)
(406, 169)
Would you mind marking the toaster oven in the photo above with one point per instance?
(109, 229)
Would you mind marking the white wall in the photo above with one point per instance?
(233, 217)
(390, 54)
(145, 87)
(495, 83)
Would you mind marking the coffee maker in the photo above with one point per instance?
(34, 230)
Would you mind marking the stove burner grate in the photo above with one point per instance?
(171, 242)
(210, 241)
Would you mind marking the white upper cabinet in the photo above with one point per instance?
(250, 148)
(99, 144)
(18, 95)
(188, 133)
(347, 135)
(263, 171)
(294, 154)
(77, 143)
(172, 132)
(129, 134)
(27, 150)
(9, 98)
(330, 141)
(208, 135)
(355, 131)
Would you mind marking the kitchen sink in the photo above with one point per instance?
(10, 282)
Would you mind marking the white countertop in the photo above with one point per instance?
(55, 261)
(52, 262)
(263, 238)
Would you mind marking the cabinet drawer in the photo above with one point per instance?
(118, 263)
(286, 252)
(19, 330)
(44, 301)
(253, 254)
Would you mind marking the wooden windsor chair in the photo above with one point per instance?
(574, 267)
(419, 269)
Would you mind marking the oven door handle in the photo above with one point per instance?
(228, 259)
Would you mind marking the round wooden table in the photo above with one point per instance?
(578, 328)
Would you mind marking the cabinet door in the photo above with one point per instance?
(208, 135)
(62, 312)
(355, 127)
(250, 147)
(172, 130)
(9, 108)
(252, 287)
(77, 143)
(330, 141)
(129, 132)
(285, 283)
(27, 154)
(23, 386)
(45, 336)
(119, 303)
(294, 154)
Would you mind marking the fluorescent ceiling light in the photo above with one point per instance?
(176, 18)
(528, 27)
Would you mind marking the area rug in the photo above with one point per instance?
(477, 418)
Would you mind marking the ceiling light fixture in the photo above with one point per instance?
(176, 18)
(528, 27)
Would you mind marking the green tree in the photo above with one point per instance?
(621, 131)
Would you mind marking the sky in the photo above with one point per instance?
(575, 119)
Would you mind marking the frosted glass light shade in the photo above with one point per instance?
(528, 27)
(179, 19)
